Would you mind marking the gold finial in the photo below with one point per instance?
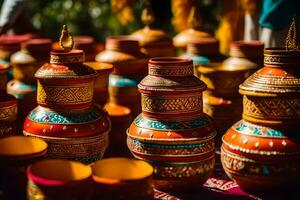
(147, 15)
(291, 42)
(66, 40)
(194, 19)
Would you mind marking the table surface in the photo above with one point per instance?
(219, 187)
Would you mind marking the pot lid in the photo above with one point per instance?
(194, 33)
(280, 75)
(67, 62)
(149, 36)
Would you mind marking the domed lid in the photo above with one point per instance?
(171, 74)
(207, 46)
(148, 36)
(280, 76)
(65, 63)
(193, 33)
(244, 49)
(38, 45)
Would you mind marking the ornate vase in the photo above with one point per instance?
(130, 65)
(65, 117)
(16, 154)
(122, 178)
(221, 100)
(121, 119)
(101, 83)
(172, 132)
(57, 179)
(203, 52)
(33, 54)
(262, 151)
(8, 115)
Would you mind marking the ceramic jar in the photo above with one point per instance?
(59, 179)
(65, 117)
(16, 153)
(130, 65)
(262, 150)
(172, 132)
(121, 119)
(122, 178)
(202, 52)
(101, 83)
(154, 42)
(8, 115)
(221, 100)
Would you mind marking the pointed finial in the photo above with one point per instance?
(147, 15)
(66, 40)
(291, 42)
(194, 19)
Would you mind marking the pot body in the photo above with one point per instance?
(172, 133)
(66, 118)
(262, 150)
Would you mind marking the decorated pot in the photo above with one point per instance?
(202, 52)
(121, 119)
(66, 117)
(101, 83)
(221, 100)
(8, 115)
(16, 153)
(262, 151)
(122, 178)
(172, 132)
(59, 179)
(130, 65)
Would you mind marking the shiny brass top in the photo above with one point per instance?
(66, 39)
(291, 42)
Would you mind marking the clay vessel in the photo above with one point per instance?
(59, 179)
(16, 153)
(262, 150)
(172, 132)
(221, 100)
(122, 178)
(66, 117)
(8, 115)
(101, 83)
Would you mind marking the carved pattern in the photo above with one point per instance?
(174, 104)
(184, 170)
(65, 59)
(171, 71)
(167, 150)
(65, 95)
(8, 113)
(239, 164)
(272, 59)
(276, 108)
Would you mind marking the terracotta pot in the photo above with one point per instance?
(16, 153)
(101, 83)
(59, 179)
(33, 54)
(121, 119)
(182, 39)
(172, 132)
(8, 115)
(262, 150)
(154, 42)
(123, 91)
(66, 118)
(122, 178)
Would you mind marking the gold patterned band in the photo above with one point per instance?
(272, 107)
(172, 104)
(65, 95)
(8, 113)
(171, 71)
